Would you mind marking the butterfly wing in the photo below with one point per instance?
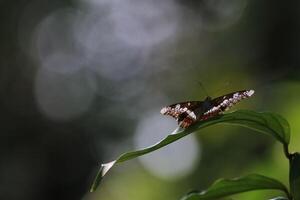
(223, 103)
(182, 110)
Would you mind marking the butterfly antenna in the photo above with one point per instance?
(203, 88)
(224, 86)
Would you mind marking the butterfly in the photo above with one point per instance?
(187, 113)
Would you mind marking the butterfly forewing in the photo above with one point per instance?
(187, 113)
(226, 101)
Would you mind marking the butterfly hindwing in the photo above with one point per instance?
(182, 110)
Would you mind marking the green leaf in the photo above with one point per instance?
(268, 123)
(227, 187)
(295, 176)
(264, 122)
(279, 198)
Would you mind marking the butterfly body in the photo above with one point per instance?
(187, 113)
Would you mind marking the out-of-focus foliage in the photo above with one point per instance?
(80, 79)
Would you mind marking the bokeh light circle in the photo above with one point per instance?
(173, 161)
(62, 97)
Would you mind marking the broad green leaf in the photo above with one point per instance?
(265, 122)
(226, 187)
(268, 123)
(279, 198)
(295, 176)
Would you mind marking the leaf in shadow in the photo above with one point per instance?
(226, 187)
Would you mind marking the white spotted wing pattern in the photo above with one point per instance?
(187, 113)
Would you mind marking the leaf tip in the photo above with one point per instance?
(101, 173)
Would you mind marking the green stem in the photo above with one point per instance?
(289, 157)
(286, 152)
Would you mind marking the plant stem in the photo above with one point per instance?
(289, 157)
(289, 196)
(286, 151)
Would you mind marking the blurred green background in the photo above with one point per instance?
(83, 81)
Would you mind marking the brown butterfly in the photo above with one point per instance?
(187, 113)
